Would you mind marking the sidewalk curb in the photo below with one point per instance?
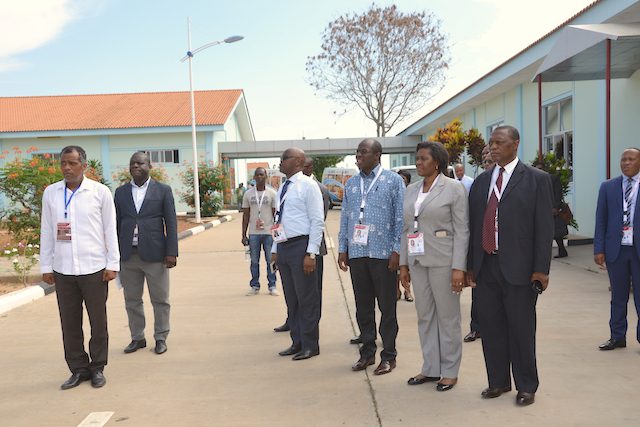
(21, 297)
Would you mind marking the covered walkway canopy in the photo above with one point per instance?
(591, 52)
(313, 147)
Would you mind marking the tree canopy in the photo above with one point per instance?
(387, 63)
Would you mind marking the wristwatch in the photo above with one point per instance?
(310, 255)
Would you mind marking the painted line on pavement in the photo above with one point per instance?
(96, 419)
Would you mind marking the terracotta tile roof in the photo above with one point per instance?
(115, 111)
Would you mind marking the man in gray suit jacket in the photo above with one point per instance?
(148, 240)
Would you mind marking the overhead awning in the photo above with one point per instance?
(580, 53)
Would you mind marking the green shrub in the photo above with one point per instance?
(212, 181)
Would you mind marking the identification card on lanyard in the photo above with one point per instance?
(415, 243)
(63, 229)
(361, 231)
(415, 240)
(278, 234)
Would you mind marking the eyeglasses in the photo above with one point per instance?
(363, 152)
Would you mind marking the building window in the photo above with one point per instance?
(493, 127)
(558, 131)
(394, 163)
(164, 156)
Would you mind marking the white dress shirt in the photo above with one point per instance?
(303, 212)
(92, 217)
(506, 176)
(467, 181)
(138, 193)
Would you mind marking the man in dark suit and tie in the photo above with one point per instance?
(510, 249)
(148, 240)
(616, 243)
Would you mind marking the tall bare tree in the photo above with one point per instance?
(387, 63)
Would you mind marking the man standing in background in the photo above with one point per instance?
(460, 176)
(258, 208)
(148, 239)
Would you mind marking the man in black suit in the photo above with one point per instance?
(148, 240)
(511, 228)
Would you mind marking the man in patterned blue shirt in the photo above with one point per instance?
(369, 245)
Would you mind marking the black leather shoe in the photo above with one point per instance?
(444, 387)
(490, 393)
(75, 380)
(305, 354)
(135, 345)
(417, 381)
(613, 344)
(385, 367)
(289, 351)
(356, 340)
(472, 336)
(362, 363)
(161, 347)
(523, 398)
(98, 379)
(282, 328)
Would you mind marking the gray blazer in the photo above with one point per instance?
(157, 222)
(444, 212)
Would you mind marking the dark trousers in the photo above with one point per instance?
(71, 292)
(300, 293)
(474, 325)
(622, 272)
(373, 281)
(319, 273)
(507, 313)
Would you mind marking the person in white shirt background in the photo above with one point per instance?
(460, 176)
(79, 255)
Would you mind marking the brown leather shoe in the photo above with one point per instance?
(362, 364)
(523, 398)
(385, 367)
(492, 392)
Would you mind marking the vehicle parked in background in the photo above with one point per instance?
(334, 179)
(412, 171)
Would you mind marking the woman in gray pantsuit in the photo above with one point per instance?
(433, 257)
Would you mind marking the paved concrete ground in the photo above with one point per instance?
(222, 366)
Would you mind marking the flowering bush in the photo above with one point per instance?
(212, 181)
(23, 257)
(123, 176)
(23, 181)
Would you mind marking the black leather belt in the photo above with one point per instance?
(293, 239)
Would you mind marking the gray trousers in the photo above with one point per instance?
(438, 310)
(132, 275)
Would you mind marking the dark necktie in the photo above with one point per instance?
(285, 187)
(627, 199)
(489, 221)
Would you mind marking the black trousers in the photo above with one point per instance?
(507, 313)
(300, 293)
(373, 281)
(72, 292)
(474, 325)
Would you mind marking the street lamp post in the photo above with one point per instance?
(189, 56)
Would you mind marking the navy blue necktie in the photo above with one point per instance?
(284, 190)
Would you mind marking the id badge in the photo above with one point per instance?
(627, 235)
(278, 234)
(361, 234)
(259, 224)
(63, 232)
(134, 241)
(415, 243)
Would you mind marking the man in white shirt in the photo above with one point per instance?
(460, 176)
(79, 254)
(297, 234)
(258, 208)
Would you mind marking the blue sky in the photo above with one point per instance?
(62, 47)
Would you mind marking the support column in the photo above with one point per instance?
(105, 157)
(540, 116)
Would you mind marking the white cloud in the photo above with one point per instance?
(28, 24)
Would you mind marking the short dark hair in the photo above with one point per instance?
(259, 168)
(511, 131)
(71, 148)
(438, 152)
(403, 173)
(143, 153)
(375, 145)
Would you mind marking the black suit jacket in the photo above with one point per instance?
(525, 224)
(157, 223)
